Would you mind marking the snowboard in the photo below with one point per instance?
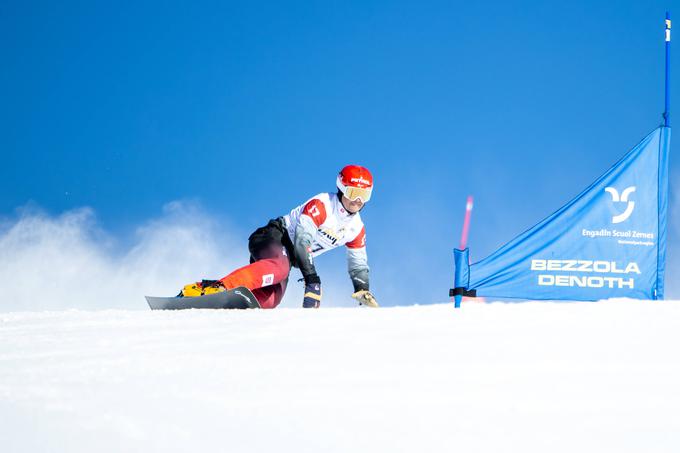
(237, 298)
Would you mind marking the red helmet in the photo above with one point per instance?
(355, 181)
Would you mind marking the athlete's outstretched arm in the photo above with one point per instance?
(304, 237)
(303, 254)
(357, 266)
(357, 261)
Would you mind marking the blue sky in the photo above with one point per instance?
(250, 108)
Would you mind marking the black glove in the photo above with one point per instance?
(312, 292)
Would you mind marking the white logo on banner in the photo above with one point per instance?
(267, 279)
(622, 199)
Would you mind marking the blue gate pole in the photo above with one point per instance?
(667, 110)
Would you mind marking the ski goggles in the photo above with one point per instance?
(354, 193)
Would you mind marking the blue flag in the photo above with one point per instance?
(609, 241)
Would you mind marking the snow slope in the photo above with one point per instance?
(532, 377)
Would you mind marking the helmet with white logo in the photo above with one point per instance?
(355, 182)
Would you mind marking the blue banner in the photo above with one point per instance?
(609, 241)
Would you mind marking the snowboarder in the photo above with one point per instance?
(324, 222)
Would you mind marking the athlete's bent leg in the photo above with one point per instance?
(267, 275)
(261, 273)
(270, 296)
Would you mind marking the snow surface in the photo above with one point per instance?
(530, 377)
